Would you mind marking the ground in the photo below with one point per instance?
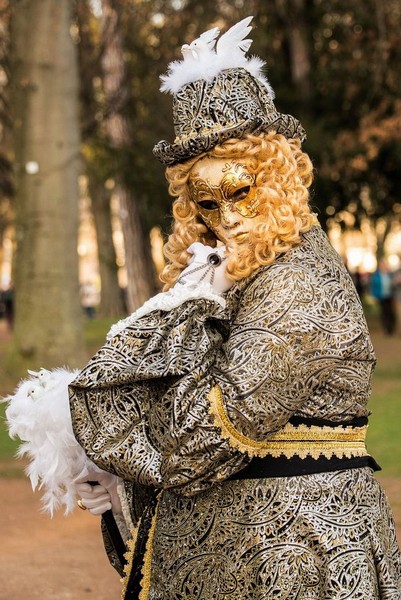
(63, 558)
(50, 559)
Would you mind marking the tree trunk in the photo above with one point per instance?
(139, 265)
(383, 227)
(48, 319)
(293, 14)
(138, 258)
(111, 299)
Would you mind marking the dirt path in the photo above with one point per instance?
(50, 559)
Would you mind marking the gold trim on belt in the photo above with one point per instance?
(292, 440)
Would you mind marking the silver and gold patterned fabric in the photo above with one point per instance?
(292, 342)
(206, 113)
(322, 536)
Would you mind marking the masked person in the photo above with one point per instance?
(227, 416)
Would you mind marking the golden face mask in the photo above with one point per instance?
(220, 187)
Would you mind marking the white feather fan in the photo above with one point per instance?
(38, 413)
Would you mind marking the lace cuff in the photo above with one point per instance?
(124, 519)
(166, 301)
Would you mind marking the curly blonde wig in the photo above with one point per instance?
(283, 175)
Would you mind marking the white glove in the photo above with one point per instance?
(208, 264)
(101, 497)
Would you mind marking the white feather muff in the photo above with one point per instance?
(39, 414)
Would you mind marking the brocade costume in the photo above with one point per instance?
(238, 429)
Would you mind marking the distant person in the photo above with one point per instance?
(381, 288)
(359, 283)
(8, 302)
(89, 299)
(397, 294)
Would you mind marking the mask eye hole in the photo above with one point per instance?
(241, 194)
(208, 204)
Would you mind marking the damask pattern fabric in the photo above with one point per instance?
(323, 536)
(292, 341)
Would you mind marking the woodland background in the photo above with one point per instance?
(79, 101)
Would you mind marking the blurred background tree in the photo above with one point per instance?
(6, 179)
(110, 136)
(97, 155)
(44, 98)
(333, 63)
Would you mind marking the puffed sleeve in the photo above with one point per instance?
(175, 401)
(141, 403)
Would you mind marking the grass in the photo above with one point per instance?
(95, 332)
(384, 431)
(384, 425)
(7, 445)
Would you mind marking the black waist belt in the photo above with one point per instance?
(306, 446)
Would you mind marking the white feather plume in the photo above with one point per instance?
(255, 66)
(232, 45)
(204, 58)
(39, 414)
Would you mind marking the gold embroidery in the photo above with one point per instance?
(129, 556)
(147, 560)
(185, 137)
(292, 440)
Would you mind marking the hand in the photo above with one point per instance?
(101, 497)
(94, 497)
(207, 264)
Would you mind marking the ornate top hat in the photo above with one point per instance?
(219, 94)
